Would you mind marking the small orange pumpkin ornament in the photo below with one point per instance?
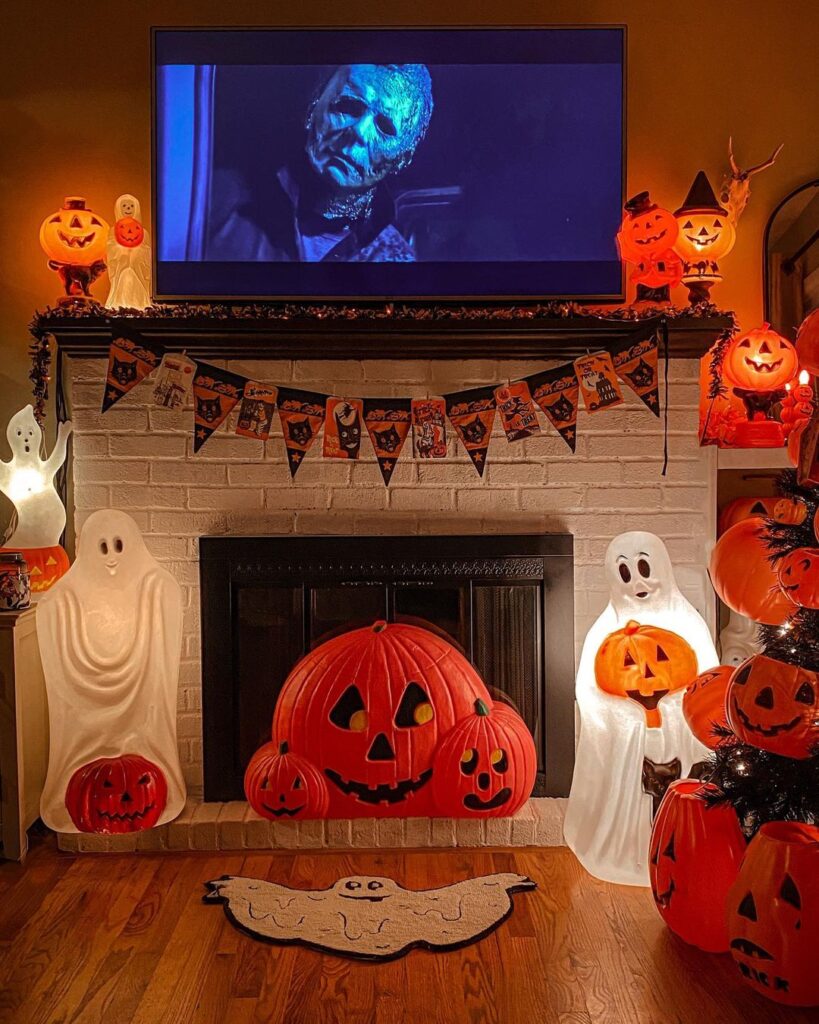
(760, 360)
(704, 703)
(790, 511)
(743, 576)
(644, 663)
(774, 706)
(129, 232)
(281, 785)
(744, 508)
(799, 577)
(807, 342)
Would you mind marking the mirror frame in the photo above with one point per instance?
(766, 237)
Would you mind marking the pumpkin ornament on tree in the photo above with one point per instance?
(704, 704)
(74, 240)
(646, 238)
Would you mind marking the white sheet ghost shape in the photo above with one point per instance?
(110, 636)
(368, 917)
(738, 640)
(28, 482)
(609, 816)
(129, 267)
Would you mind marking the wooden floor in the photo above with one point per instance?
(127, 938)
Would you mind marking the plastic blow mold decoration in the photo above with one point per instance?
(390, 721)
(745, 508)
(704, 704)
(695, 854)
(743, 577)
(75, 239)
(116, 794)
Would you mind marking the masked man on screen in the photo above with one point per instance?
(363, 126)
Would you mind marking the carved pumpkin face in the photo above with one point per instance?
(773, 913)
(790, 511)
(743, 576)
(799, 577)
(486, 765)
(775, 706)
(369, 708)
(647, 234)
(687, 835)
(704, 703)
(644, 663)
(74, 235)
(760, 360)
(704, 235)
(745, 508)
(129, 232)
(113, 795)
(281, 785)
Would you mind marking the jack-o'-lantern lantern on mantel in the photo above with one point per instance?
(706, 235)
(75, 241)
(646, 239)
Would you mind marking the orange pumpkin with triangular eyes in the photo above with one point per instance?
(799, 577)
(74, 235)
(760, 360)
(704, 704)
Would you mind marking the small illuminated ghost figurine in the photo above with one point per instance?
(110, 636)
(737, 641)
(620, 760)
(129, 258)
(28, 482)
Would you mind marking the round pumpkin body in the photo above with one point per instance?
(45, 565)
(773, 913)
(775, 706)
(743, 577)
(694, 858)
(485, 766)
(760, 360)
(647, 231)
(704, 235)
(129, 232)
(807, 342)
(704, 704)
(745, 508)
(280, 785)
(644, 663)
(74, 235)
(114, 795)
(369, 709)
(790, 511)
(799, 577)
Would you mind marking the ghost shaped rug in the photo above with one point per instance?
(368, 917)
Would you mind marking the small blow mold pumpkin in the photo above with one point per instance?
(743, 577)
(282, 785)
(775, 706)
(745, 508)
(485, 765)
(114, 795)
(790, 511)
(643, 664)
(694, 859)
(129, 232)
(74, 235)
(760, 360)
(704, 704)
(799, 577)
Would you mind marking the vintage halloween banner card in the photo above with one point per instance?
(215, 392)
(388, 423)
(302, 415)
(129, 362)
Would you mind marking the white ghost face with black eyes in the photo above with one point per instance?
(639, 572)
(111, 545)
(24, 437)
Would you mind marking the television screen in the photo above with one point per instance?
(388, 163)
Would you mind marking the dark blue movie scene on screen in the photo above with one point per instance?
(434, 163)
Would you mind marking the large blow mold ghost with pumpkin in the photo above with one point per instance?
(390, 721)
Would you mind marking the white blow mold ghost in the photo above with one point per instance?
(129, 266)
(738, 640)
(110, 636)
(609, 816)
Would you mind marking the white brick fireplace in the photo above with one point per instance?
(138, 457)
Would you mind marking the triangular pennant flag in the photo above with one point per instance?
(301, 414)
(557, 393)
(215, 392)
(256, 410)
(388, 422)
(598, 381)
(429, 428)
(517, 411)
(130, 360)
(472, 413)
(635, 363)
(342, 428)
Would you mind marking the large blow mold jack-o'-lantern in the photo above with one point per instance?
(114, 795)
(75, 241)
(371, 710)
(706, 235)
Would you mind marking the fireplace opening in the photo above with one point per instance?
(506, 602)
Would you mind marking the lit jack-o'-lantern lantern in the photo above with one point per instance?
(799, 577)
(279, 784)
(775, 706)
(704, 704)
(114, 795)
(129, 232)
(807, 342)
(773, 913)
(760, 360)
(644, 663)
(706, 235)
(743, 577)
(646, 239)
(694, 858)
(75, 240)
(369, 709)
(486, 765)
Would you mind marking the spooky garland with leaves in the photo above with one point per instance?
(760, 785)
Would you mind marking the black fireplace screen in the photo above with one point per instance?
(506, 602)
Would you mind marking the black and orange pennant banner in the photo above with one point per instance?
(342, 428)
(429, 428)
(636, 364)
(302, 415)
(517, 410)
(256, 410)
(130, 361)
(557, 393)
(472, 414)
(388, 422)
(215, 392)
(599, 387)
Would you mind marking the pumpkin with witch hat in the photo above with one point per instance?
(706, 234)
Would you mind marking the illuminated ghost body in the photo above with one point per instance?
(28, 482)
(129, 266)
(110, 635)
(737, 641)
(609, 816)
(369, 917)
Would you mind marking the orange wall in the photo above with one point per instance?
(75, 109)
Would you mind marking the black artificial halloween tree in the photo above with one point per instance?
(768, 766)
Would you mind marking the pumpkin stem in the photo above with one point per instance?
(481, 708)
(631, 627)
(284, 746)
(380, 626)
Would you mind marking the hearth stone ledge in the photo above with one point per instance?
(234, 826)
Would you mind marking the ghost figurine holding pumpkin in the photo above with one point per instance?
(129, 257)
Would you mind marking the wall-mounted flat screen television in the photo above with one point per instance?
(388, 163)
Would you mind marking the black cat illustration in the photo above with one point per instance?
(387, 440)
(475, 431)
(208, 409)
(562, 410)
(348, 424)
(299, 431)
(124, 373)
(642, 376)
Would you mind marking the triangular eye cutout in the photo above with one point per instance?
(789, 893)
(805, 694)
(758, 509)
(628, 660)
(406, 716)
(669, 850)
(741, 675)
(661, 655)
(348, 703)
(747, 907)
(648, 674)
(297, 783)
